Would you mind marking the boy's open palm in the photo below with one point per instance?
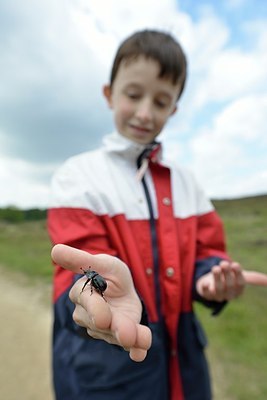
(116, 320)
(227, 281)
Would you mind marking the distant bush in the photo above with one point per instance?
(15, 215)
(34, 214)
(11, 214)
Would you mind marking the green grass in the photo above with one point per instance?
(25, 247)
(246, 230)
(237, 338)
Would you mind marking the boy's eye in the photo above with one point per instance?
(161, 103)
(133, 95)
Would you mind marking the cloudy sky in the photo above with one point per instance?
(56, 56)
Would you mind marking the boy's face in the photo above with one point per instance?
(142, 102)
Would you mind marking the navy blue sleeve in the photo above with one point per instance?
(202, 267)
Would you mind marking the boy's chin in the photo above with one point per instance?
(140, 138)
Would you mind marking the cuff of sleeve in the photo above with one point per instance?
(202, 268)
(218, 307)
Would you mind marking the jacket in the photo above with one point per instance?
(168, 233)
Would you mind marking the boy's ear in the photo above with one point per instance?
(107, 94)
(175, 108)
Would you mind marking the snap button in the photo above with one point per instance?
(149, 271)
(166, 201)
(169, 272)
(173, 352)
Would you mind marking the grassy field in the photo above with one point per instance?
(237, 338)
(25, 247)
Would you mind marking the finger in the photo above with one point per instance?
(73, 259)
(144, 337)
(207, 291)
(228, 276)
(125, 330)
(95, 320)
(239, 275)
(219, 283)
(233, 282)
(240, 281)
(255, 278)
(143, 343)
(137, 355)
(98, 310)
(81, 317)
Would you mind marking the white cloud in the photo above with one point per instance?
(119, 18)
(108, 23)
(244, 119)
(222, 72)
(231, 73)
(208, 38)
(225, 154)
(21, 184)
(56, 56)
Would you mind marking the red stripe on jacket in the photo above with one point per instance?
(130, 241)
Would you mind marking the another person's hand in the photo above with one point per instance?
(227, 281)
(115, 319)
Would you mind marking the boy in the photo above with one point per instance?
(125, 200)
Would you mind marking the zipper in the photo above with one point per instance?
(154, 239)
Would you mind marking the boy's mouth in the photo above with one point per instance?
(140, 129)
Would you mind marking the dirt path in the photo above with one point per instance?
(25, 335)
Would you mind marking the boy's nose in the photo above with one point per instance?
(144, 111)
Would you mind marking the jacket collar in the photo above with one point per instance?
(116, 143)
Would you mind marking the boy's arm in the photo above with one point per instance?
(227, 281)
(210, 252)
(217, 279)
(224, 282)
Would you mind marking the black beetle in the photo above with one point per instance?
(95, 280)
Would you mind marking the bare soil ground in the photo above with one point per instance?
(25, 339)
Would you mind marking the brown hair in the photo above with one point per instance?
(159, 46)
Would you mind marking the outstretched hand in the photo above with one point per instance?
(227, 281)
(116, 320)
